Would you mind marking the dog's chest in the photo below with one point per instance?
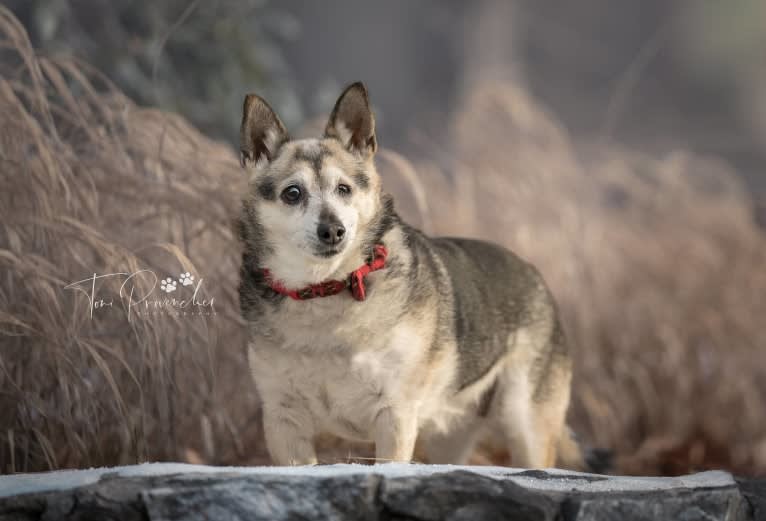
(341, 369)
(341, 391)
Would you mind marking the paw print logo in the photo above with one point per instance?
(186, 279)
(168, 285)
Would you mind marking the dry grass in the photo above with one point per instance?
(91, 183)
(657, 264)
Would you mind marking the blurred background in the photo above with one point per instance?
(618, 145)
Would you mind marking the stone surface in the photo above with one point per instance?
(754, 491)
(384, 492)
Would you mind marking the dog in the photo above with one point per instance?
(363, 327)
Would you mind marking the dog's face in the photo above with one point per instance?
(311, 199)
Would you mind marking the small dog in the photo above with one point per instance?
(362, 326)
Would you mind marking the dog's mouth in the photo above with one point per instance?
(326, 253)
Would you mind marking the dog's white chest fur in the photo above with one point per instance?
(336, 392)
(338, 374)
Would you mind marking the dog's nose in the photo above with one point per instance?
(331, 233)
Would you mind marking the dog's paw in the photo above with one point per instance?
(168, 285)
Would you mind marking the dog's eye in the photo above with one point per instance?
(292, 194)
(344, 189)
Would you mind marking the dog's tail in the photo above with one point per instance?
(575, 456)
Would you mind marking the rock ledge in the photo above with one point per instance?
(383, 492)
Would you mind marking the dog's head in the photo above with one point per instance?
(312, 204)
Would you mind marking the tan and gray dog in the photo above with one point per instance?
(362, 326)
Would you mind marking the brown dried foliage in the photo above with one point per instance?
(657, 265)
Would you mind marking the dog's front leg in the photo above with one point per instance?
(289, 437)
(395, 434)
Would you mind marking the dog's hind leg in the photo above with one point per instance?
(534, 401)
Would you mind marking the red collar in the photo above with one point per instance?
(354, 282)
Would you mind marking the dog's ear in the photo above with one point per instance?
(261, 133)
(352, 121)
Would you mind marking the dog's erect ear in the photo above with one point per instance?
(352, 121)
(261, 133)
